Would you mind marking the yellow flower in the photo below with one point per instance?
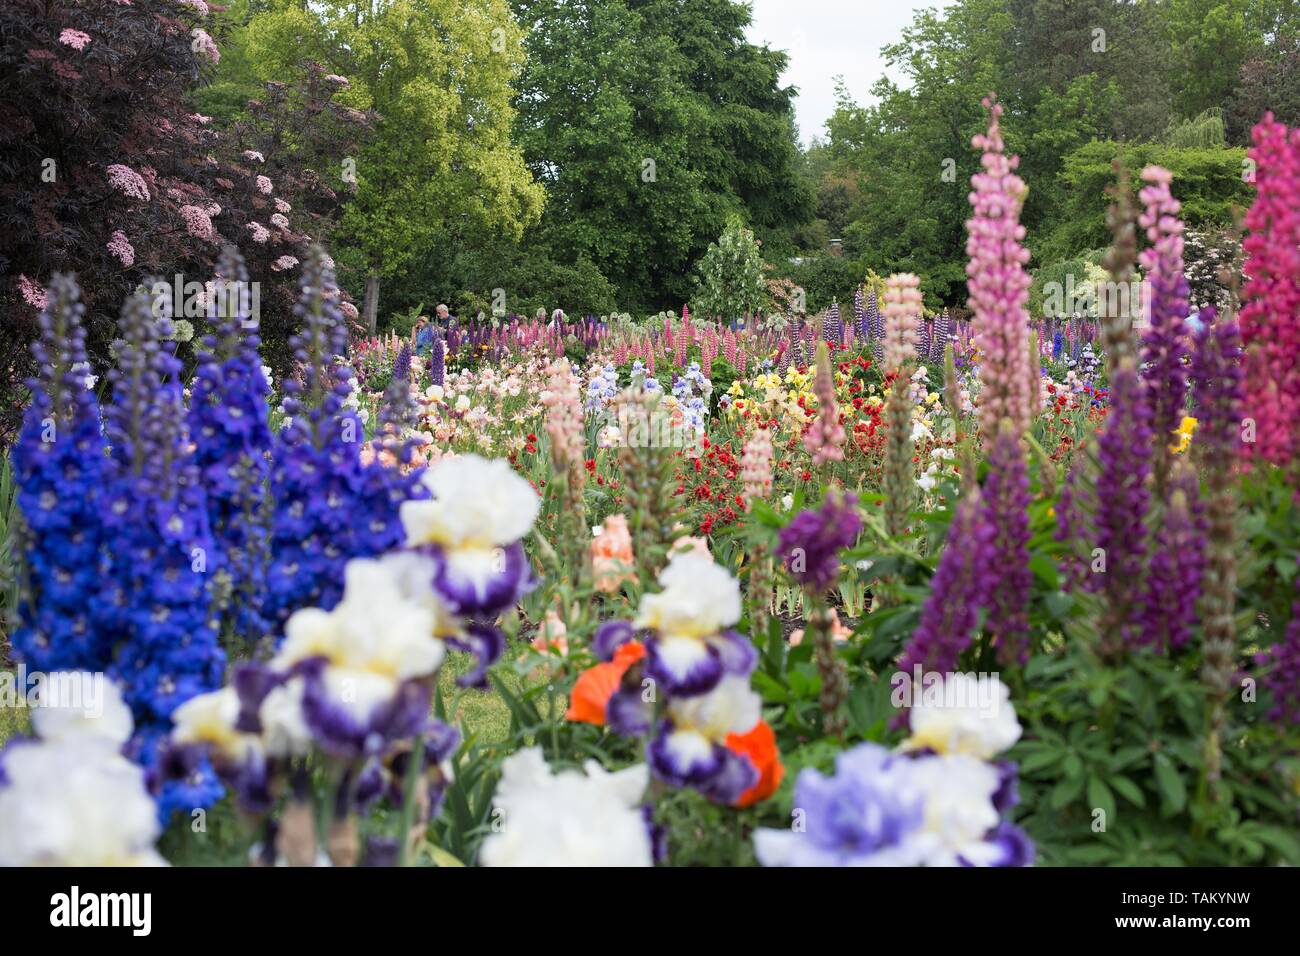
(1183, 435)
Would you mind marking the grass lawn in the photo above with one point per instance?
(13, 720)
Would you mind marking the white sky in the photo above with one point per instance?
(829, 38)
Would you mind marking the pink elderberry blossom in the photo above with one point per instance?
(198, 223)
(264, 185)
(119, 246)
(283, 263)
(205, 45)
(340, 81)
(279, 221)
(74, 38)
(127, 181)
(282, 206)
(198, 6)
(32, 292)
(999, 283)
(253, 156)
(212, 209)
(348, 309)
(201, 119)
(259, 231)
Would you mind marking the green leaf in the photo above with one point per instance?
(1171, 785)
(1129, 790)
(1100, 798)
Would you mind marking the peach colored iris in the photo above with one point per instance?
(759, 745)
(553, 635)
(688, 545)
(591, 694)
(838, 631)
(611, 555)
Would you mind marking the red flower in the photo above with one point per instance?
(759, 745)
(596, 685)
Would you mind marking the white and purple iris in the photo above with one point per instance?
(472, 527)
(690, 748)
(701, 668)
(888, 809)
(691, 648)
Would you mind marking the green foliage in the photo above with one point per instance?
(440, 74)
(1208, 182)
(1111, 766)
(730, 275)
(650, 123)
(823, 279)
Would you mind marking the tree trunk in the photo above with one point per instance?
(371, 304)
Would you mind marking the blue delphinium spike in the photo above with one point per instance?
(228, 421)
(58, 460)
(154, 604)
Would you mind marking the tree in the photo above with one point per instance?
(730, 275)
(650, 122)
(1208, 182)
(439, 74)
(109, 172)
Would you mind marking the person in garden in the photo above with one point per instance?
(423, 336)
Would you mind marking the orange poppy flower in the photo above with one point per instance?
(759, 745)
(591, 693)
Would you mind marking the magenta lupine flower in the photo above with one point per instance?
(127, 181)
(1173, 583)
(121, 247)
(74, 38)
(198, 223)
(1006, 512)
(1270, 318)
(962, 584)
(999, 284)
(204, 44)
(1124, 454)
(1164, 343)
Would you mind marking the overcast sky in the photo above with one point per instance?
(829, 38)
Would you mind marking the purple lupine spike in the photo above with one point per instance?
(1164, 380)
(1177, 565)
(942, 334)
(859, 316)
(961, 586)
(1124, 455)
(833, 329)
(1006, 504)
